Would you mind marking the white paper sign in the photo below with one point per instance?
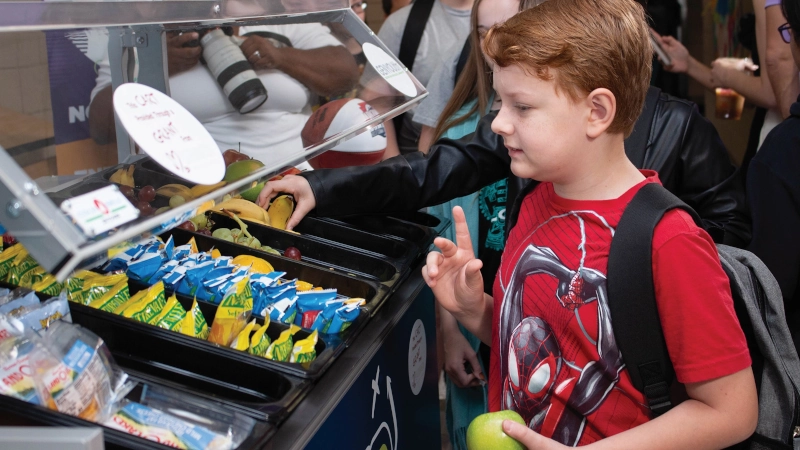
(169, 133)
(101, 210)
(389, 69)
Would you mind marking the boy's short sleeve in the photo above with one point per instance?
(702, 332)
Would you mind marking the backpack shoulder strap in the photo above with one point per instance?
(462, 59)
(631, 295)
(412, 33)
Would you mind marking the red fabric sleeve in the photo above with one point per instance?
(702, 332)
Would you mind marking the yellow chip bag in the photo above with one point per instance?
(48, 285)
(171, 316)
(232, 313)
(242, 341)
(113, 299)
(305, 349)
(148, 307)
(22, 269)
(91, 287)
(259, 342)
(194, 323)
(7, 258)
(281, 349)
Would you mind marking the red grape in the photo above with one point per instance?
(205, 231)
(147, 193)
(292, 253)
(127, 191)
(188, 225)
(145, 208)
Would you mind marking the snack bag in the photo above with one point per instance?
(48, 285)
(113, 298)
(74, 284)
(194, 323)
(41, 315)
(192, 282)
(81, 382)
(94, 286)
(311, 303)
(284, 310)
(260, 341)
(242, 341)
(305, 350)
(232, 313)
(148, 306)
(22, 269)
(343, 317)
(9, 328)
(17, 301)
(155, 425)
(281, 348)
(172, 316)
(146, 265)
(7, 258)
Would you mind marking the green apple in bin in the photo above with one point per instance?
(486, 432)
(252, 193)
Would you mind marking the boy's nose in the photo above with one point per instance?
(500, 125)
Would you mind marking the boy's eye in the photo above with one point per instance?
(522, 107)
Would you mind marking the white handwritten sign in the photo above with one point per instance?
(389, 69)
(169, 133)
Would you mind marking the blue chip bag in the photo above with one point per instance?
(342, 318)
(283, 310)
(193, 280)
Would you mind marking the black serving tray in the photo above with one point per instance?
(399, 252)
(350, 285)
(417, 227)
(17, 412)
(142, 176)
(318, 252)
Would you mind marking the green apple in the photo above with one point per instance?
(252, 193)
(486, 432)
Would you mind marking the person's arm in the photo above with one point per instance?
(392, 149)
(453, 168)
(757, 90)
(720, 413)
(457, 351)
(781, 69)
(683, 62)
(326, 71)
(425, 139)
(699, 171)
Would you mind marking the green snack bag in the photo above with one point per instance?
(281, 349)
(305, 349)
(194, 323)
(148, 307)
(232, 313)
(7, 258)
(48, 285)
(171, 316)
(21, 269)
(242, 341)
(259, 342)
(113, 299)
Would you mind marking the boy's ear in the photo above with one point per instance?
(603, 106)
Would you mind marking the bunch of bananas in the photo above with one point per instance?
(123, 176)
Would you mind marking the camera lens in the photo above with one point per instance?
(233, 72)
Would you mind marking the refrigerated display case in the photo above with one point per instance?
(373, 384)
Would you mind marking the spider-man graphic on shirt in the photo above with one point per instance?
(559, 361)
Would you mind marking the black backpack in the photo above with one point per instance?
(758, 304)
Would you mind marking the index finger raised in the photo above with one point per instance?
(463, 239)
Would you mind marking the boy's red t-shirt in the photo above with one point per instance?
(554, 357)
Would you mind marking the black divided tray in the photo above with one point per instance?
(417, 227)
(321, 253)
(399, 252)
(15, 412)
(243, 382)
(143, 176)
(352, 286)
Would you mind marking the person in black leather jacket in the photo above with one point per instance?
(670, 137)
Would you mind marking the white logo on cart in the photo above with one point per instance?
(417, 354)
(376, 391)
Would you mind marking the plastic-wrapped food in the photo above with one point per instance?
(232, 313)
(9, 327)
(259, 342)
(281, 348)
(343, 317)
(7, 257)
(311, 303)
(194, 323)
(182, 420)
(22, 270)
(218, 275)
(113, 298)
(305, 350)
(120, 261)
(81, 382)
(86, 287)
(193, 281)
(171, 316)
(242, 341)
(41, 315)
(18, 300)
(283, 310)
(146, 266)
(262, 287)
(17, 367)
(48, 285)
(148, 306)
